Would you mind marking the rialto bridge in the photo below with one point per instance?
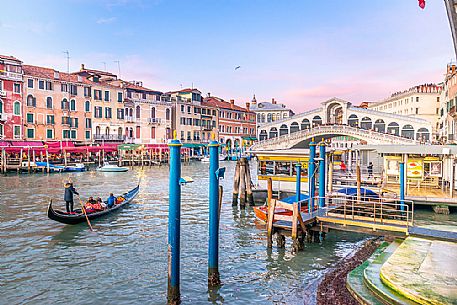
(337, 118)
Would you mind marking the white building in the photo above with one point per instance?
(448, 115)
(421, 101)
(268, 112)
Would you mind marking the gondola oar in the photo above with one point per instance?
(85, 214)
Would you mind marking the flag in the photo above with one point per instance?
(422, 4)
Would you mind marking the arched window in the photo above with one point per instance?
(380, 126)
(49, 102)
(366, 123)
(393, 128)
(72, 105)
(64, 104)
(407, 132)
(305, 124)
(138, 113)
(263, 135)
(17, 108)
(107, 130)
(153, 112)
(259, 118)
(97, 130)
(31, 101)
(1, 106)
(273, 133)
(167, 114)
(294, 127)
(317, 120)
(283, 130)
(119, 131)
(263, 118)
(269, 118)
(423, 134)
(87, 106)
(353, 120)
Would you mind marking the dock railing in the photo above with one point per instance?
(378, 211)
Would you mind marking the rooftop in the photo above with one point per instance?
(7, 57)
(220, 103)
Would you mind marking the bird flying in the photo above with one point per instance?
(237, 67)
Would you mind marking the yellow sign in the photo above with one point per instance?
(415, 168)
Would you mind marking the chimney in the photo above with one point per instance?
(247, 106)
(209, 94)
(232, 103)
(82, 67)
(273, 101)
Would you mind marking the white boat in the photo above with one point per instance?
(206, 158)
(112, 168)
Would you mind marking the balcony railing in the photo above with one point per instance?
(2, 116)
(108, 137)
(154, 120)
(11, 75)
(130, 119)
(2, 93)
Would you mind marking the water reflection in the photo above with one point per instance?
(43, 261)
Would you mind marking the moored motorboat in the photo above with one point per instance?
(112, 168)
(78, 167)
(79, 216)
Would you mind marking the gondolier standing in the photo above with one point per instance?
(68, 197)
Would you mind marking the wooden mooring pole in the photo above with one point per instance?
(250, 195)
(236, 183)
(243, 182)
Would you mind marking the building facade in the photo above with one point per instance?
(268, 112)
(236, 125)
(421, 101)
(53, 105)
(448, 114)
(11, 99)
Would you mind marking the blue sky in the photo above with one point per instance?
(299, 52)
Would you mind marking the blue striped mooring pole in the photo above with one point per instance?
(322, 174)
(298, 183)
(174, 222)
(402, 186)
(311, 176)
(213, 246)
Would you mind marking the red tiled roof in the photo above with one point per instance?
(220, 103)
(137, 87)
(187, 90)
(9, 57)
(48, 73)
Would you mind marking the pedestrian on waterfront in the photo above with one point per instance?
(111, 200)
(370, 170)
(68, 197)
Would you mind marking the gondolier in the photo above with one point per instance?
(68, 197)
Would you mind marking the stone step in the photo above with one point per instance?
(355, 282)
(372, 279)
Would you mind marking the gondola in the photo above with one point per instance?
(79, 217)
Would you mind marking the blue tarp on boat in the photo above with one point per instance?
(293, 198)
(352, 191)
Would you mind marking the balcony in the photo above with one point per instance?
(2, 116)
(11, 75)
(129, 119)
(155, 121)
(2, 93)
(452, 111)
(108, 137)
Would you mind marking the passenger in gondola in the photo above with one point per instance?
(89, 207)
(111, 201)
(68, 197)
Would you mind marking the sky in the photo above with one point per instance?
(300, 52)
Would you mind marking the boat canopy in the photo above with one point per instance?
(364, 192)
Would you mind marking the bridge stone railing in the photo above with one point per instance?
(289, 140)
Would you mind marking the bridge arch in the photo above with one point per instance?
(317, 120)
(273, 133)
(305, 124)
(407, 131)
(335, 113)
(393, 128)
(366, 123)
(423, 134)
(294, 127)
(283, 130)
(263, 135)
(380, 125)
(353, 120)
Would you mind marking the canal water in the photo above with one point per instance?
(125, 260)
